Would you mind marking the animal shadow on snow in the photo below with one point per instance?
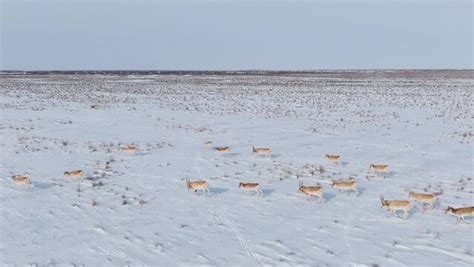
(411, 212)
(437, 204)
(375, 176)
(344, 163)
(231, 155)
(401, 215)
(425, 208)
(39, 186)
(217, 190)
(267, 192)
(143, 153)
(360, 190)
(467, 220)
(92, 178)
(327, 197)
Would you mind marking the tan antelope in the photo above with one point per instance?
(460, 213)
(423, 199)
(348, 186)
(74, 174)
(129, 150)
(396, 205)
(312, 191)
(251, 187)
(223, 149)
(261, 151)
(334, 158)
(199, 185)
(381, 168)
(208, 144)
(21, 180)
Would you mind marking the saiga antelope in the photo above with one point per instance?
(396, 205)
(223, 149)
(460, 213)
(208, 143)
(334, 158)
(261, 151)
(199, 185)
(423, 199)
(21, 180)
(312, 191)
(379, 168)
(74, 174)
(129, 150)
(349, 185)
(251, 187)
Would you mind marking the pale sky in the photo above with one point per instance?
(235, 35)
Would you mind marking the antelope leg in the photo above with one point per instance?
(391, 213)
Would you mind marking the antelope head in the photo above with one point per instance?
(300, 186)
(383, 202)
(449, 209)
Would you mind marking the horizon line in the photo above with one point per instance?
(240, 70)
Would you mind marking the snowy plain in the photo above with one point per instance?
(136, 210)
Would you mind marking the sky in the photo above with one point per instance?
(235, 35)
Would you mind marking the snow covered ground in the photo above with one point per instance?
(136, 209)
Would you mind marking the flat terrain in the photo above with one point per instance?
(136, 209)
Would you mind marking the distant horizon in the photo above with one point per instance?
(234, 70)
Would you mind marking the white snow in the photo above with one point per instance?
(420, 124)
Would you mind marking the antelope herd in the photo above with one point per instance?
(316, 190)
